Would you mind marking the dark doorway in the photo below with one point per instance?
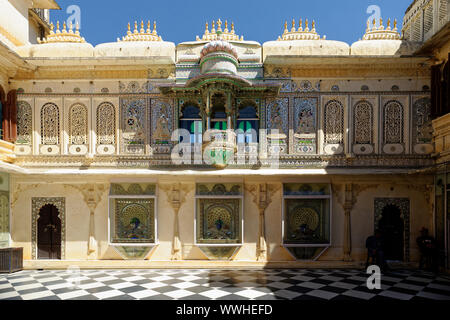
(391, 226)
(49, 233)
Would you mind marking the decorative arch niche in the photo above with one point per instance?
(36, 206)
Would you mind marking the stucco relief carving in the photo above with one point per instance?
(78, 124)
(24, 123)
(106, 124)
(50, 124)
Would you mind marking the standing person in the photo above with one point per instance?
(428, 251)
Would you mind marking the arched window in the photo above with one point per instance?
(248, 125)
(192, 122)
(334, 122)
(106, 124)
(78, 124)
(50, 124)
(362, 123)
(218, 114)
(24, 123)
(393, 122)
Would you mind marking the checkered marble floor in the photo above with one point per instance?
(304, 284)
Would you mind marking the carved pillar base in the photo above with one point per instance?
(176, 243)
(92, 242)
(261, 248)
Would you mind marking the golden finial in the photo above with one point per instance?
(129, 28)
(52, 26)
(395, 24)
(219, 25)
(300, 24)
(313, 25)
(306, 25)
(64, 27)
(368, 25)
(293, 25)
(142, 26)
(381, 22)
(285, 27)
(154, 28)
(66, 35)
(206, 28)
(57, 27)
(213, 27)
(135, 27)
(232, 27)
(389, 24)
(226, 27)
(381, 32)
(148, 26)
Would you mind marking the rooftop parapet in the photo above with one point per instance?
(219, 34)
(380, 32)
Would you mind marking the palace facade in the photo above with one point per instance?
(220, 151)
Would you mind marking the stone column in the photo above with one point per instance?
(348, 206)
(176, 199)
(261, 248)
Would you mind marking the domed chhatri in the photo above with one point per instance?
(63, 35)
(219, 57)
(300, 33)
(219, 34)
(303, 41)
(382, 41)
(142, 34)
(381, 33)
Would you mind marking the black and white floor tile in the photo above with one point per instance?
(303, 284)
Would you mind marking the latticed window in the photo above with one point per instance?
(334, 122)
(24, 123)
(443, 12)
(50, 124)
(106, 124)
(393, 122)
(428, 18)
(363, 124)
(78, 124)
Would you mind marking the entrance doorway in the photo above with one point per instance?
(392, 228)
(49, 233)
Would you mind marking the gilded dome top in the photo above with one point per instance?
(219, 33)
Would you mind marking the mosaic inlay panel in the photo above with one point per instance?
(306, 221)
(134, 221)
(218, 221)
(218, 189)
(4, 218)
(134, 189)
(305, 125)
(162, 121)
(133, 125)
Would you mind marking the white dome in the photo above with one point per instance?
(136, 49)
(383, 48)
(306, 48)
(57, 50)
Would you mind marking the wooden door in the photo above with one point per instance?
(49, 233)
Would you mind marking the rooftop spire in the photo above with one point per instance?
(219, 33)
(142, 34)
(380, 32)
(300, 33)
(63, 35)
